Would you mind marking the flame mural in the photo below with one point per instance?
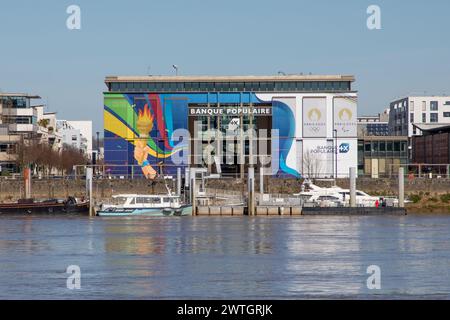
(138, 129)
(141, 149)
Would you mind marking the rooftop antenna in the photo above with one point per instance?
(281, 73)
(176, 69)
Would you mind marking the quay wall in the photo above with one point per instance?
(11, 190)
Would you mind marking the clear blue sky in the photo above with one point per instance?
(39, 55)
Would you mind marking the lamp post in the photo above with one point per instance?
(176, 69)
(98, 152)
(335, 153)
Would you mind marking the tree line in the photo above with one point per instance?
(42, 158)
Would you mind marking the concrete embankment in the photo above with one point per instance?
(428, 195)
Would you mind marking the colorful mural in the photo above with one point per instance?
(139, 127)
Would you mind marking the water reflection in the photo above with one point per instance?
(223, 257)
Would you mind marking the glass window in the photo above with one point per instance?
(434, 106)
(433, 117)
(424, 106)
(382, 146)
(367, 147)
(389, 146)
(397, 146)
(411, 105)
(424, 117)
(446, 114)
(375, 146)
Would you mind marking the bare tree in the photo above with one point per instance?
(312, 164)
(43, 158)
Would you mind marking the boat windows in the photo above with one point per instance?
(148, 200)
(331, 198)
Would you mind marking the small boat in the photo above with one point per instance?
(145, 205)
(52, 206)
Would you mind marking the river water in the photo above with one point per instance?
(225, 257)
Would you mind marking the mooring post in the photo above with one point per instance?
(179, 182)
(27, 182)
(401, 187)
(192, 187)
(353, 187)
(261, 181)
(251, 191)
(186, 184)
(89, 174)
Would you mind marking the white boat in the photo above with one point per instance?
(337, 196)
(145, 205)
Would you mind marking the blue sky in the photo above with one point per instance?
(39, 55)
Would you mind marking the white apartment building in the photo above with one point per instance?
(417, 110)
(77, 134)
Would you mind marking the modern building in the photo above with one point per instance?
(76, 134)
(47, 129)
(431, 150)
(381, 155)
(18, 121)
(313, 116)
(406, 112)
(374, 125)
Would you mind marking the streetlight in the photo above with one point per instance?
(176, 69)
(335, 153)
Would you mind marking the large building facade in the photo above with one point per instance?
(406, 112)
(310, 120)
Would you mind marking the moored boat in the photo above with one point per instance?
(145, 205)
(52, 206)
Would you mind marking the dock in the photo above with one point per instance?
(299, 211)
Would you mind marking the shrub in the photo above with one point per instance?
(415, 198)
(445, 197)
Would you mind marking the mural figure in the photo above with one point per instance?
(141, 149)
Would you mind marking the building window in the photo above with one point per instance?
(424, 118)
(411, 105)
(434, 106)
(446, 114)
(447, 103)
(411, 118)
(424, 106)
(433, 117)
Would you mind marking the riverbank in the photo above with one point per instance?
(427, 195)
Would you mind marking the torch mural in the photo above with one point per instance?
(141, 149)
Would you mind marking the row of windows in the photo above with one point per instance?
(19, 119)
(230, 86)
(385, 146)
(15, 102)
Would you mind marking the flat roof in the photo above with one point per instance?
(6, 94)
(432, 127)
(279, 78)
